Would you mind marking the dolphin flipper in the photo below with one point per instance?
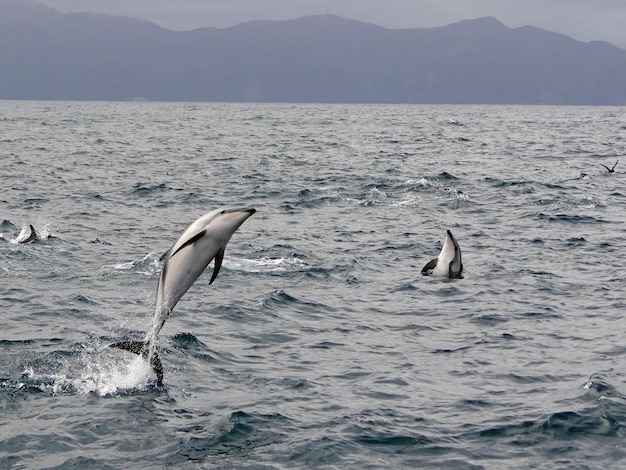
(452, 270)
(142, 348)
(219, 257)
(429, 266)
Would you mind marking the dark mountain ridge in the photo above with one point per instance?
(46, 54)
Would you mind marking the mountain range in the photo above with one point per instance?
(49, 55)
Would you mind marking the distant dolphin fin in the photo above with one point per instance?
(191, 241)
(219, 257)
(429, 266)
(142, 348)
(32, 236)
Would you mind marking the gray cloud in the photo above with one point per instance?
(584, 20)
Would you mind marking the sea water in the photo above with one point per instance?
(320, 345)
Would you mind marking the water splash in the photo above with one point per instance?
(267, 264)
(109, 376)
(148, 265)
(94, 371)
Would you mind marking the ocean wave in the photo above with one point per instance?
(81, 369)
(570, 218)
(320, 344)
(268, 264)
(235, 436)
(558, 426)
(149, 265)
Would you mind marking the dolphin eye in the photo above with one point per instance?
(223, 211)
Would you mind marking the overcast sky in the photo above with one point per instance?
(585, 20)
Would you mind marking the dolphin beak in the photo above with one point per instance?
(249, 210)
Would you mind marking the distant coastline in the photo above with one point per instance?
(48, 55)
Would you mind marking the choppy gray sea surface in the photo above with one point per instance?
(320, 345)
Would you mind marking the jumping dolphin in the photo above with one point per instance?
(448, 263)
(203, 241)
(610, 170)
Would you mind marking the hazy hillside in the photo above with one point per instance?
(45, 54)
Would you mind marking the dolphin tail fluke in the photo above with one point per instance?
(157, 367)
(142, 348)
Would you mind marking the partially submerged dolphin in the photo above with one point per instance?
(203, 241)
(29, 235)
(448, 263)
(26, 235)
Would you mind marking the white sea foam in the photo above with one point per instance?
(266, 264)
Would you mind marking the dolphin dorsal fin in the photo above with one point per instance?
(165, 254)
(31, 237)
